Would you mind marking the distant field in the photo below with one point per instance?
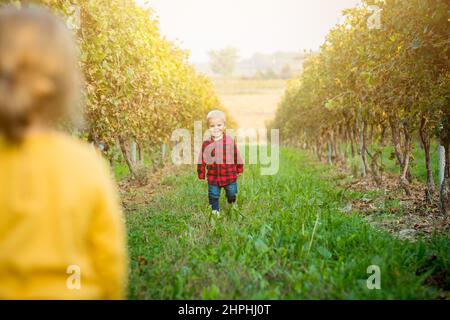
(241, 86)
(250, 102)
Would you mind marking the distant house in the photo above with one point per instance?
(270, 63)
(279, 64)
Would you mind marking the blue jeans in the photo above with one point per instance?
(214, 194)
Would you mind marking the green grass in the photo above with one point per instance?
(293, 243)
(418, 169)
(121, 170)
(417, 165)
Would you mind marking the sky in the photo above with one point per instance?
(263, 26)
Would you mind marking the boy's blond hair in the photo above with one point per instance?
(215, 114)
(39, 76)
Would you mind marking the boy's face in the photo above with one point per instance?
(216, 127)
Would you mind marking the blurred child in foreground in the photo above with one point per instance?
(62, 234)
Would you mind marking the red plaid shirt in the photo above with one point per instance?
(222, 160)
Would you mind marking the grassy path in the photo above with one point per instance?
(293, 243)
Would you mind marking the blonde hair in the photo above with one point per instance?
(215, 114)
(39, 76)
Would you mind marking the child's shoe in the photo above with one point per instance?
(216, 213)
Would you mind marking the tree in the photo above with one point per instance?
(367, 84)
(223, 61)
(139, 86)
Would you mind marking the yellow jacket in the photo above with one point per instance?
(62, 234)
